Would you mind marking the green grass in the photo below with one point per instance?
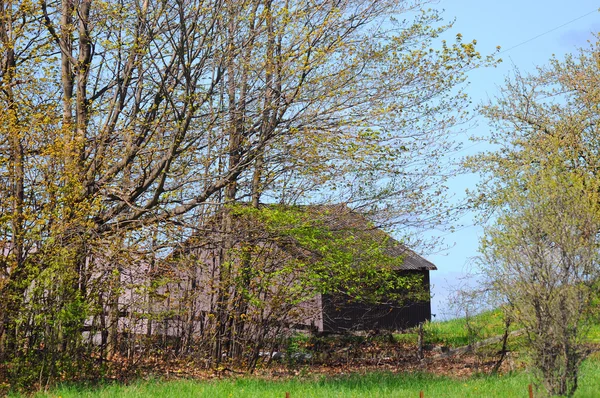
(455, 333)
(356, 386)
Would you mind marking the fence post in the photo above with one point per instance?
(530, 391)
(421, 394)
(420, 342)
(287, 395)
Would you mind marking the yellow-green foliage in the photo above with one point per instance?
(540, 256)
(126, 126)
(350, 259)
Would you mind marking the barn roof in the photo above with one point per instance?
(342, 218)
(336, 218)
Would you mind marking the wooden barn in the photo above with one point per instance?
(325, 312)
(202, 292)
(339, 314)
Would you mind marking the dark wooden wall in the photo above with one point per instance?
(340, 316)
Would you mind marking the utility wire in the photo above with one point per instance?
(545, 33)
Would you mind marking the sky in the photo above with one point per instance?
(529, 32)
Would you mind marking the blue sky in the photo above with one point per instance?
(506, 23)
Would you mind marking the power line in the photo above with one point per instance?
(549, 31)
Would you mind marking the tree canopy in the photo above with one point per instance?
(126, 124)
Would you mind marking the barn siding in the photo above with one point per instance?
(340, 315)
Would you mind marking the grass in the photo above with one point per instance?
(355, 386)
(455, 333)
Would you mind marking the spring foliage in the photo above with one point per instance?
(540, 257)
(127, 125)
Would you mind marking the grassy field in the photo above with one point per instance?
(355, 386)
(455, 333)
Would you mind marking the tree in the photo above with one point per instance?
(541, 258)
(541, 254)
(136, 121)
